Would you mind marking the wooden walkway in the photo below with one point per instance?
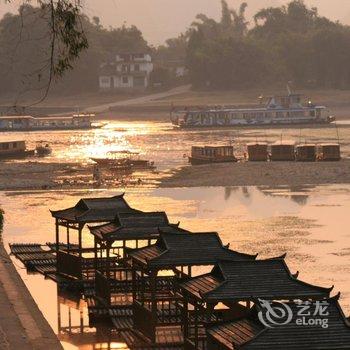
(22, 325)
(39, 258)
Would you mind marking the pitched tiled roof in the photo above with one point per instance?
(94, 210)
(290, 336)
(131, 226)
(187, 249)
(266, 279)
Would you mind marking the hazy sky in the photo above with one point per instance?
(162, 19)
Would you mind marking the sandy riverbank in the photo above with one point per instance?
(36, 175)
(260, 174)
(41, 176)
(45, 176)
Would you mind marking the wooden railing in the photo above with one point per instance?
(69, 264)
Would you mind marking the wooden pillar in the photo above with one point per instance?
(80, 229)
(68, 248)
(154, 302)
(107, 260)
(185, 320)
(190, 271)
(133, 281)
(196, 324)
(57, 235)
(95, 254)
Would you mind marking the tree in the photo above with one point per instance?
(25, 45)
(66, 37)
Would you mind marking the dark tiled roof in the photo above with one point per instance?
(291, 336)
(233, 335)
(94, 210)
(266, 279)
(187, 249)
(140, 225)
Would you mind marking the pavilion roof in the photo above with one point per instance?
(245, 280)
(89, 210)
(186, 250)
(139, 225)
(251, 334)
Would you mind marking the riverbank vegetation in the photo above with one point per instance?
(288, 43)
(291, 43)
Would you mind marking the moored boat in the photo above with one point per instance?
(329, 152)
(14, 150)
(279, 110)
(211, 154)
(283, 151)
(257, 151)
(30, 123)
(305, 152)
(123, 160)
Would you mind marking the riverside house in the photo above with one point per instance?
(128, 71)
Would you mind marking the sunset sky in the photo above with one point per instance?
(162, 19)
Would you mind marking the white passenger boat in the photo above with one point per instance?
(279, 110)
(29, 123)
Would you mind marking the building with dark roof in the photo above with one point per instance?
(93, 210)
(176, 254)
(71, 261)
(197, 249)
(232, 282)
(268, 279)
(128, 230)
(325, 327)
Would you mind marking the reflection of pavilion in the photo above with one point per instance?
(74, 327)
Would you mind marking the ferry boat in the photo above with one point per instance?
(14, 150)
(30, 123)
(124, 160)
(279, 110)
(211, 154)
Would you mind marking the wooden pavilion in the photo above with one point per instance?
(328, 329)
(77, 262)
(173, 257)
(113, 282)
(226, 294)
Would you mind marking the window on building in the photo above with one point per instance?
(125, 68)
(137, 67)
(125, 80)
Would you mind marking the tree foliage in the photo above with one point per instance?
(291, 42)
(80, 45)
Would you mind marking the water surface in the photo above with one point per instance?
(309, 223)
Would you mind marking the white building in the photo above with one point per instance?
(128, 71)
